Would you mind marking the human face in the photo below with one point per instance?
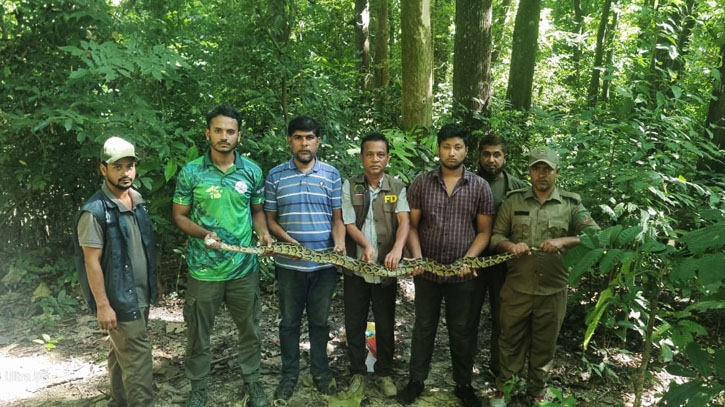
(543, 177)
(492, 159)
(452, 151)
(223, 134)
(121, 174)
(374, 157)
(304, 145)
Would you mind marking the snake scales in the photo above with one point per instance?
(339, 259)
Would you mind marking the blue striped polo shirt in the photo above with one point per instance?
(304, 203)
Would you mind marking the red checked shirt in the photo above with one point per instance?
(447, 224)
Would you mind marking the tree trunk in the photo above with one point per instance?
(715, 121)
(382, 72)
(500, 16)
(441, 21)
(579, 31)
(362, 40)
(599, 54)
(606, 82)
(279, 32)
(417, 61)
(523, 54)
(472, 60)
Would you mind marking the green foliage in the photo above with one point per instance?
(48, 342)
(639, 269)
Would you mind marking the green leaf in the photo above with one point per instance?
(587, 241)
(79, 73)
(698, 358)
(574, 255)
(612, 257)
(720, 363)
(653, 246)
(708, 238)
(676, 91)
(594, 317)
(609, 235)
(585, 264)
(678, 394)
(679, 370)
(629, 235)
(683, 270)
(710, 270)
(170, 169)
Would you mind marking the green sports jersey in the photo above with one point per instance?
(220, 202)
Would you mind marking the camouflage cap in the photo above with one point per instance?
(545, 155)
(116, 148)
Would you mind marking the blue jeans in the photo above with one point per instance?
(299, 291)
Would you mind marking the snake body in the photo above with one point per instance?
(339, 259)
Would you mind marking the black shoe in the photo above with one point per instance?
(285, 388)
(324, 384)
(468, 396)
(410, 392)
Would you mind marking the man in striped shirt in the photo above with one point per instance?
(450, 217)
(303, 205)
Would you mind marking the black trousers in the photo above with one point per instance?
(489, 281)
(359, 295)
(458, 300)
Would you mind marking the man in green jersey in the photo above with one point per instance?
(219, 198)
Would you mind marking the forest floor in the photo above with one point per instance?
(73, 372)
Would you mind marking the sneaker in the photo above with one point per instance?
(324, 384)
(468, 396)
(257, 397)
(497, 400)
(411, 392)
(285, 388)
(386, 386)
(197, 397)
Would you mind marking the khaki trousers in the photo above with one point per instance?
(130, 363)
(529, 327)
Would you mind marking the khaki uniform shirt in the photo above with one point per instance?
(522, 219)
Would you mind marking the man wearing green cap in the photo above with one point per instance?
(533, 298)
(116, 263)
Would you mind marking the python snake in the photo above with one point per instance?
(339, 259)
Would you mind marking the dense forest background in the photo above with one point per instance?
(630, 92)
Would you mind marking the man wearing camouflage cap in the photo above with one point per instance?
(533, 298)
(116, 263)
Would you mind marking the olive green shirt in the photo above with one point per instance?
(522, 219)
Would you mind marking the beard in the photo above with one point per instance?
(118, 184)
(304, 159)
(491, 173)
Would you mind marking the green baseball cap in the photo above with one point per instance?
(544, 155)
(116, 148)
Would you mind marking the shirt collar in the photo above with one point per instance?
(136, 198)
(467, 175)
(555, 196)
(238, 163)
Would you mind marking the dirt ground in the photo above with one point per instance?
(73, 372)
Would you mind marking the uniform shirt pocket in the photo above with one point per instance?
(556, 228)
(520, 229)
